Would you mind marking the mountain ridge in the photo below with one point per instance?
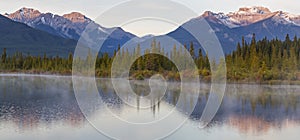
(263, 24)
(229, 28)
(20, 37)
(249, 15)
(69, 25)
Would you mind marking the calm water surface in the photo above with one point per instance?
(45, 107)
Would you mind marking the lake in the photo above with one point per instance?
(45, 107)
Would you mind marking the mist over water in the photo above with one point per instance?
(45, 107)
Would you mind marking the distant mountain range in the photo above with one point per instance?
(69, 26)
(230, 27)
(63, 31)
(18, 37)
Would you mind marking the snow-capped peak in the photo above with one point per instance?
(24, 13)
(253, 10)
(286, 18)
(249, 15)
(221, 18)
(68, 26)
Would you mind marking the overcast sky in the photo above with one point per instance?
(92, 8)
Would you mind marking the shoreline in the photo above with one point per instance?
(271, 82)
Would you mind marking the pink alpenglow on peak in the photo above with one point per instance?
(76, 17)
(249, 15)
(24, 13)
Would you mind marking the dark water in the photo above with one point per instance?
(45, 107)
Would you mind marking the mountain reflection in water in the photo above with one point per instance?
(31, 103)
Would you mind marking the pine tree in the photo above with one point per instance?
(191, 50)
(3, 57)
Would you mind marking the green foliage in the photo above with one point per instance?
(263, 60)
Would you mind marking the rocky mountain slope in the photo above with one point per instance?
(229, 27)
(247, 21)
(69, 26)
(18, 37)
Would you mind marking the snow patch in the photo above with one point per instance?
(22, 12)
(286, 18)
(43, 20)
(249, 36)
(226, 35)
(253, 10)
(225, 19)
(102, 30)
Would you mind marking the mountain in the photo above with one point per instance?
(69, 26)
(50, 23)
(15, 36)
(247, 21)
(249, 15)
(229, 28)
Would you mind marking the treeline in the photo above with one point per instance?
(256, 61)
(35, 64)
(265, 60)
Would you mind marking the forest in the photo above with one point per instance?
(263, 61)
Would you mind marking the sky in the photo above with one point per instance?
(93, 8)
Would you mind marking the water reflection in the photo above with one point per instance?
(29, 103)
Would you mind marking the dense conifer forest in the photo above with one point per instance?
(256, 61)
